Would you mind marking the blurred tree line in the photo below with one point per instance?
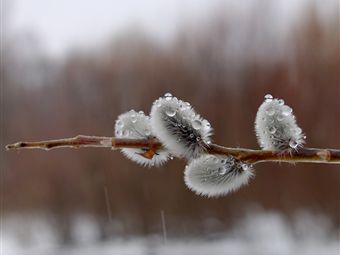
(224, 69)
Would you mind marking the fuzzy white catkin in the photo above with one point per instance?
(276, 127)
(214, 176)
(181, 130)
(136, 125)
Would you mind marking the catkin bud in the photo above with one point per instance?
(276, 127)
(135, 125)
(181, 130)
(214, 176)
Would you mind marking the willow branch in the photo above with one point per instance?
(309, 155)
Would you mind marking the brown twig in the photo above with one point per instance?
(308, 155)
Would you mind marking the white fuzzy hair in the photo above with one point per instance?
(136, 125)
(181, 130)
(276, 127)
(215, 176)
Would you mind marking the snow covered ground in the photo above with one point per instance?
(260, 233)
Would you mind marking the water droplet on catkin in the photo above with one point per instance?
(293, 144)
(196, 124)
(170, 112)
(286, 111)
(270, 111)
(222, 170)
(120, 124)
(272, 130)
(268, 98)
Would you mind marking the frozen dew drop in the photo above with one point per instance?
(222, 170)
(208, 142)
(280, 117)
(168, 96)
(298, 131)
(125, 133)
(268, 98)
(245, 167)
(147, 132)
(170, 112)
(119, 133)
(120, 124)
(133, 117)
(281, 102)
(270, 111)
(293, 144)
(158, 103)
(272, 130)
(286, 111)
(197, 124)
(171, 157)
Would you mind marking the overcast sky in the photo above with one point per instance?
(64, 24)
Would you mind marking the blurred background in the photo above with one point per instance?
(71, 67)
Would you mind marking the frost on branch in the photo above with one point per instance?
(214, 176)
(181, 130)
(136, 125)
(276, 127)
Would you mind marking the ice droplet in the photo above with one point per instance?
(286, 111)
(268, 98)
(280, 117)
(170, 112)
(120, 124)
(270, 111)
(158, 103)
(147, 132)
(298, 131)
(133, 119)
(222, 170)
(281, 102)
(167, 96)
(272, 130)
(245, 167)
(196, 124)
(125, 133)
(293, 144)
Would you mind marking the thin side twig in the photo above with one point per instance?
(308, 155)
